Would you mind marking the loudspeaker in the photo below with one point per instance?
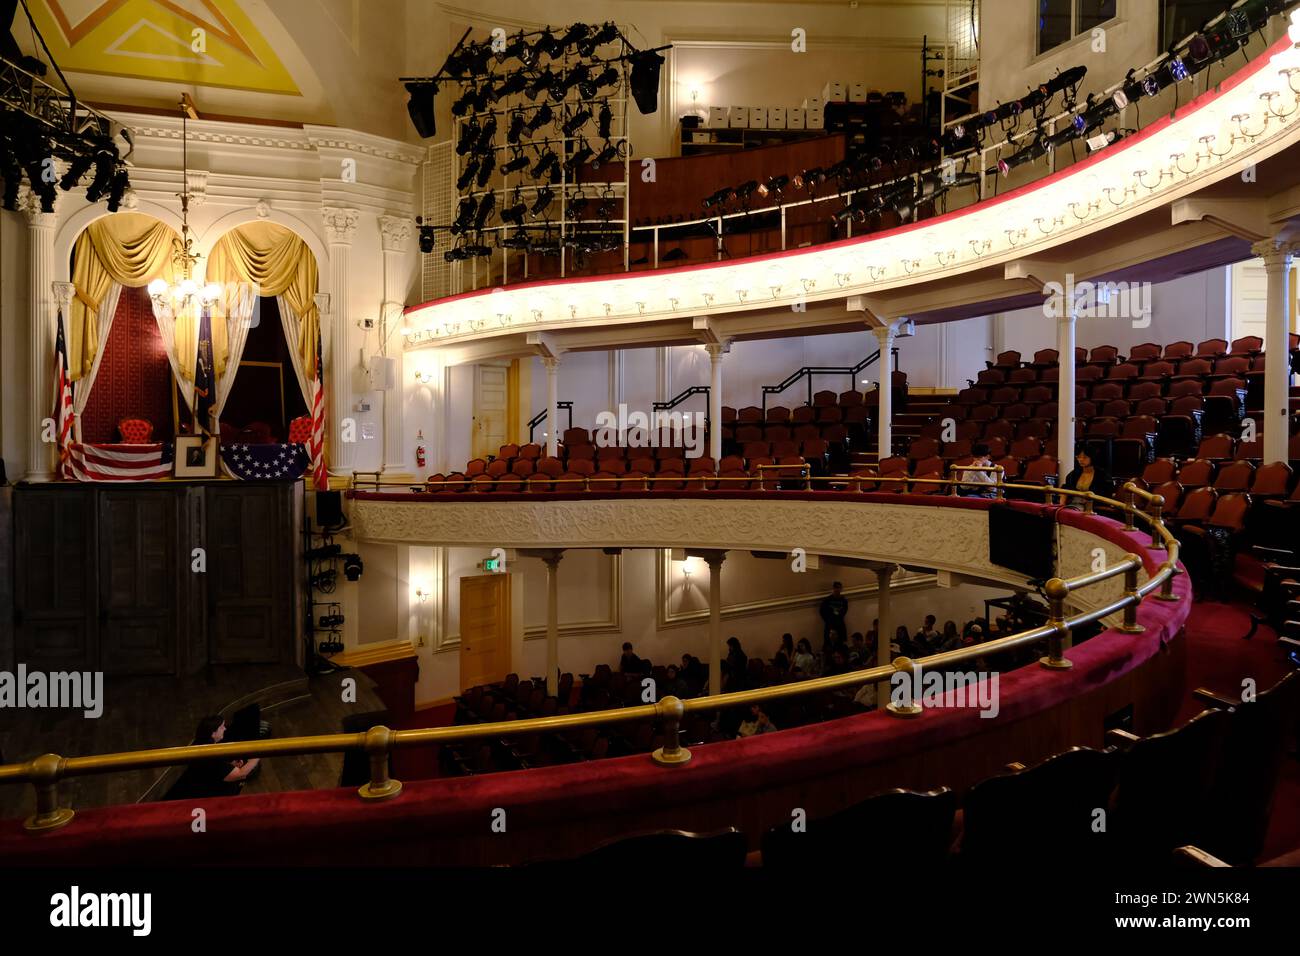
(329, 509)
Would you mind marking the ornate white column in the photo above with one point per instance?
(885, 413)
(340, 228)
(395, 234)
(714, 560)
(1277, 326)
(552, 561)
(40, 360)
(552, 364)
(1065, 322)
(716, 350)
(885, 629)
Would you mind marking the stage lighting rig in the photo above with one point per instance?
(645, 80)
(485, 168)
(426, 235)
(517, 126)
(515, 212)
(608, 153)
(517, 162)
(545, 161)
(580, 156)
(541, 116)
(541, 83)
(543, 199)
(607, 33)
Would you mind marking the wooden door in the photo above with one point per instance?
(54, 599)
(250, 553)
(491, 408)
(484, 629)
(139, 574)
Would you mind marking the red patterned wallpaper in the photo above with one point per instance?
(134, 376)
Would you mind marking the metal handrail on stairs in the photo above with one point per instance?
(541, 417)
(808, 371)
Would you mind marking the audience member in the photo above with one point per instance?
(218, 777)
(982, 483)
(736, 665)
(927, 638)
(804, 663)
(857, 650)
(629, 663)
(674, 684)
(756, 723)
(951, 639)
(834, 609)
(787, 645)
(1086, 476)
(838, 664)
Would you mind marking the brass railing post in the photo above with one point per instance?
(1059, 642)
(1130, 500)
(1155, 511)
(910, 705)
(1167, 591)
(672, 753)
(46, 771)
(379, 741)
(1131, 625)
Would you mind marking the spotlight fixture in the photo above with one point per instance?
(720, 198)
(541, 83)
(520, 242)
(580, 156)
(331, 621)
(645, 80)
(544, 162)
(79, 167)
(467, 175)
(512, 84)
(325, 580)
(517, 124)
(420, 108)
(606, 34)
(331, 646)
(773, 186)
(604, 121)
(575, 33)
(426, 236)
(485, 207)
(606, 77)
(542, 200)
(576, 121)
(516, 163)
(486, 134)
(515, 212)
(485, 168)
(352, 566)
(541, 116)
(607, 154)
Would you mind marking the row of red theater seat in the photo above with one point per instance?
(1154, 370)
(1247, 345)
(1102, 390)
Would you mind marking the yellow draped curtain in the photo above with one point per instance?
(128, 248)
(278, 263)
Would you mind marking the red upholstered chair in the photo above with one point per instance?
(530, 451)
(575, 436)
(1196, 474)
(990, 376)
(1046, 357)
(1271, 481)
(1011, 466)
(139, 431)
(1216, 447)
(1178, 350)
(1039, 470)
(497, 467)
(1235, 476)
(1212, 347)
(1159, 471)
(1021, 376)
(1146, 352)
(1247, 345)
(1007, 360)
(300, 430)
(749, 414)
(1172, 492)
(1141, 391)
(523, 467)
(826, 397)
(475, 467)
(728, 415)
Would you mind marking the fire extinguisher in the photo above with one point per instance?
(419, 449)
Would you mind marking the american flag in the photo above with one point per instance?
(119, 462)
(64, 417)
(319, 473)
(266, 462)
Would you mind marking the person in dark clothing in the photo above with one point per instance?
(629, 663)
(1088, 477)
(219, 777)
(674, 684)
(834, 609)
(735, 667)
(694, 673)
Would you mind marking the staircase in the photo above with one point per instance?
(921, 409)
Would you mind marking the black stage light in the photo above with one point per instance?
(468, 138)
(720, 198)
(517, 124)
(580, 156)
(607, 154)
(330, 621)
(773, 186)
(352, 566)
(486, 135)
(484, 213)
(543, 199)
(645, 80)
(575, 33)
(541, 83)
(467, 176)
(512, 84)
(485, 169)
(516, 242)
(746, 189)
(576, 121)
(454, 255)
(605, 121)
(1178, 69)
(331, 646)
(325, 580)
(420, 108)
(116, 190)
(105, 161)
(516, 163)
(607, 77)
(607, 33)
(578, 76)
(462, 104)
(464, 215)
(476, 251)
(549, 44)
(515, 213)
(556, 175)
(426, 235)
(541, 116)
(544, 162)
(80, 166)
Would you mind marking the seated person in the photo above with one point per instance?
(694, 672)
(804, 663)
(629, 663)
(857, 650)
(674, 684)
(1087, 477)
(756, 723)
(219, 777)
(979, 484)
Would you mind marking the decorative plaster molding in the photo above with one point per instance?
(395, 232)
(340, 224)
(196, 184)
(63, 293)
(263, 209)
(29, 204)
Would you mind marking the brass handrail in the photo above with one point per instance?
(45, 772)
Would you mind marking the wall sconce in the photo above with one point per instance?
(421, 594)
(690, 566)
(424, 378)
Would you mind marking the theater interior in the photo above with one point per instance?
(458, 437)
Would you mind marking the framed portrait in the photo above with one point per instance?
(196, 456)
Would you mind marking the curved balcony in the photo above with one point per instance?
(1107, 215)
(1065, 701)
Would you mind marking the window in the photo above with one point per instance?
(1062, 20)
(1180, 18)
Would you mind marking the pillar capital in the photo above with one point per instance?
(395, 233)
(1277, 255)
(63, 293)
(717, 349)
(551, 362)
(30, 205)
(322, 300)
(884, 570)
(550, 556)
(340, 224)
(713, 557)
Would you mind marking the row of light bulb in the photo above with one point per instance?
(1109, 183)
(184, 291)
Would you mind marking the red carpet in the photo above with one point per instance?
(1219, 660)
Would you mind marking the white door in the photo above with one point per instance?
(1249, 298)
(491, 408)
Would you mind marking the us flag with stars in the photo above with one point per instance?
(265, 462)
